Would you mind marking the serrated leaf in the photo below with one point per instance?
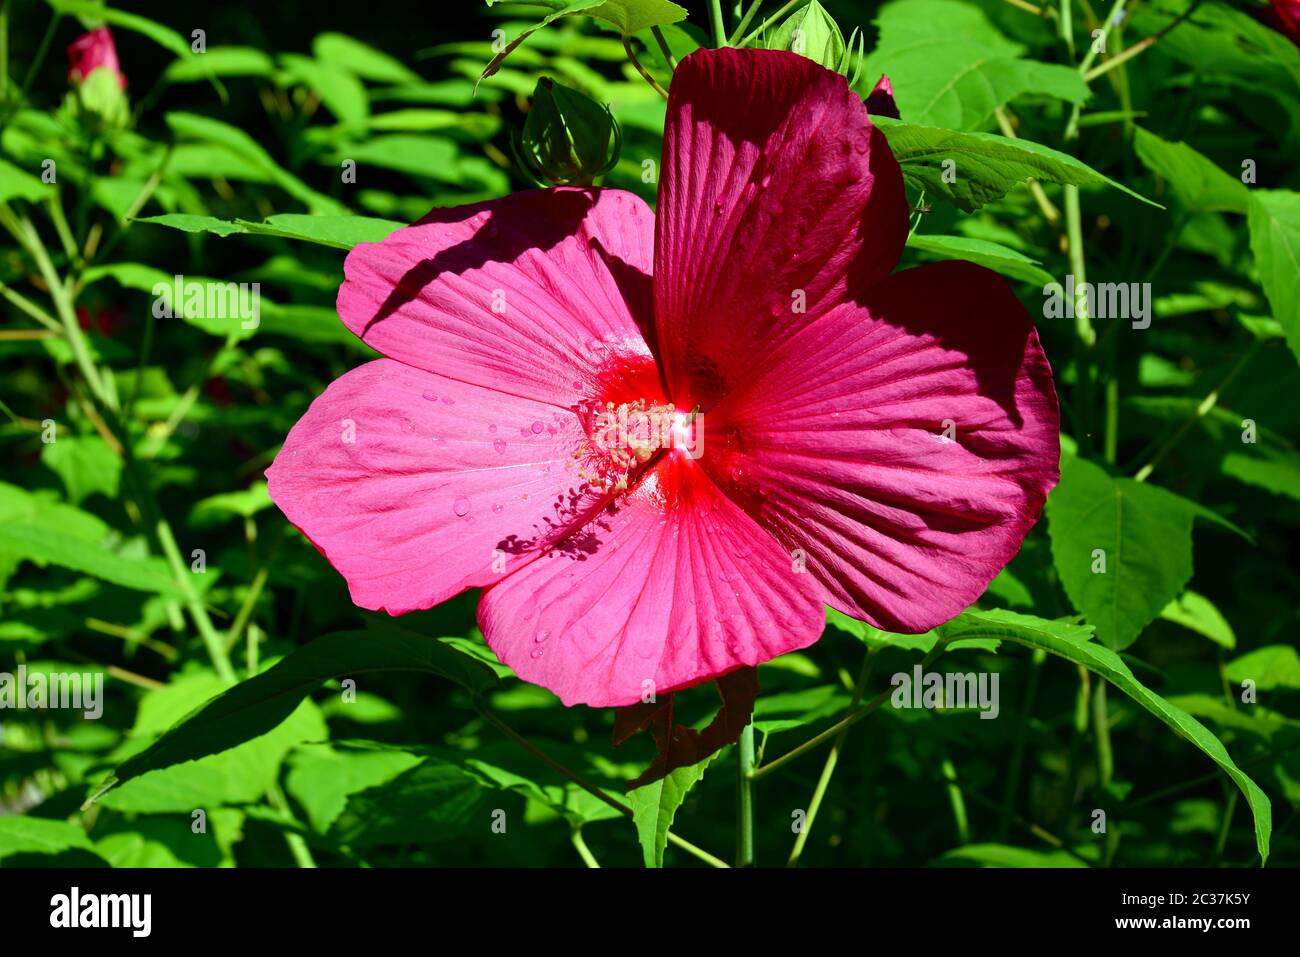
(85, 464)
(18, 184)
(1275, 240)
(20, 834)
(362, 59)
(1141, 535)
(1000, 259)
(339, 232)
(985, 167)
(626, 16)
(950, 66)
(1199, 185)
(340, 91)
(258, 705)
(1270, 667)
(655, 805)
(1197, 613)
(1104, 662)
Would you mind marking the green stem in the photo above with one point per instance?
(581, 847)
(832, 760)
(4, 51)
(1101, 729)
(745, 797)
(645, 74)
(1202, 410)
(757, 31)
(25, 233)
(1018, 749)
(959, 817)
(664, 48)
(715, 18)
(582, 782)
(744, 21)
(297, 846)
(26, 305)
(852, 718)
(40, 54)
(194, 605)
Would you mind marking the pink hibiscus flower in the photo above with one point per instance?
(878, 443)
(93, 50)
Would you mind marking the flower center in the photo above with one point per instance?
(625, 436)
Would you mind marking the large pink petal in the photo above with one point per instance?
(416, 487)
(837, 444)
(775, 188)
(673, 585)
(538, 293)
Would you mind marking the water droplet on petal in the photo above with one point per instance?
(542, 636)
(537, 428)
(499, 445)
(535, 653)
(461, 506)
(430, 396)
(492, 428)
(448, 400)
(497, 508)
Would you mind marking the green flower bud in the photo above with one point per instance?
(100, 95)
(566, 138)
(810, 31)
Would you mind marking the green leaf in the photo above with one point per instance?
(205, 129)
(165, 37)
(340, 91)
(1123, 548)
(1197, 613)
(85, 464)
(626, 16)
(340, 232)
(1222, 43)
(1199, 185)
(1270, 667)
(430, 803)
(220, 61)
(998, 258)
(1275, 240)
(322, 778)
(259, 704)
(363, 60)
(984, 167)
(1107, 664)
(654, 806)
(17, 184)
(37, 835)
(240, 775)
(245, 503)
(32, 529)
(950, 67)
(1005, 855)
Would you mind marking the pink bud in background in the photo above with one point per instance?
(89, 52)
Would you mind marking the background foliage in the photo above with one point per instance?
(229, 168)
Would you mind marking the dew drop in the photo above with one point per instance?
(499, 445)
(535, 653)
(497, 508)
(537, 428)
(492, 428)
(430, 396)
(448, 400)
(542, 636)
(461, 506)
